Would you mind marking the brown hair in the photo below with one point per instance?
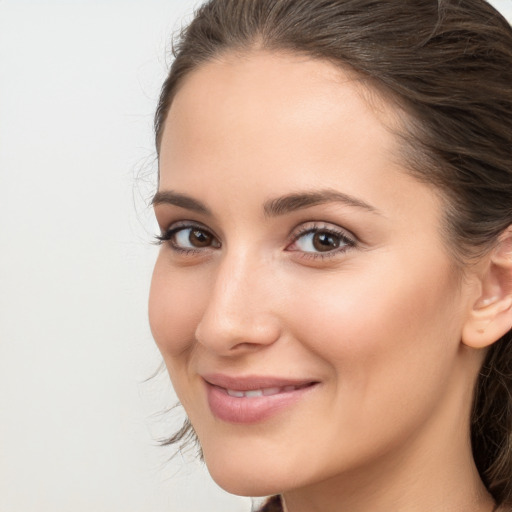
(448, 64)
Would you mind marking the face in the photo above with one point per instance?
(303, 299)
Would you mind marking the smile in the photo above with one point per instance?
(254, 393)
(252, 399)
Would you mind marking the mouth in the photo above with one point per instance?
(255, 393)
(253, 399)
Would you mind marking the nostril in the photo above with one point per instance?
(228, 332)
(244, 346)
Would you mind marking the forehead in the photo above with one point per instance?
(266, 100)
(264, 79)
(249, 127)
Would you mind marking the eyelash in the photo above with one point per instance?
(167, 237)
(347, 241)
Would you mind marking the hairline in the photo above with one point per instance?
(393, 111)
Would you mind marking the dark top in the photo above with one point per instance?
(273, 504)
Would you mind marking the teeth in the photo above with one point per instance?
(237, 394)
(255, 393)
(271, 391)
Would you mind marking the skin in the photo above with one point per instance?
(376, 323)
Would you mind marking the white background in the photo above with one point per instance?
(79, 80)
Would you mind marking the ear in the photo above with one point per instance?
(491, 315)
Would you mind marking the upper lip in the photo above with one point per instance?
(252, 382)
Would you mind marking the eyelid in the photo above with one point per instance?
(348, 240)
(183, 224)
(167, 234)
(346, 236)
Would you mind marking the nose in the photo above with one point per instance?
(239, 315)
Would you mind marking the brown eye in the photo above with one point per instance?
(199, 238)
(192, 238)
(325, 241)
(318, 240)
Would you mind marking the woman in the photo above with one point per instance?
(333, 295)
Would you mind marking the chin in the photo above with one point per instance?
(248, 489)
(248, 480)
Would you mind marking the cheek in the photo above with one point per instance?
(174, 309)
(381, 327)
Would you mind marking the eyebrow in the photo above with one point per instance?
(272, 207)
(181, 200)
(300, 200)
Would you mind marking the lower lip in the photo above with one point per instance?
(250, 409)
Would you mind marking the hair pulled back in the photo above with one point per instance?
(448, 65)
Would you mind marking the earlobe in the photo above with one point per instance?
(488, 323)
(491, 315)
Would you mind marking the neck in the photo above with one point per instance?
(432, 471)
(397, 492)
(401, 486)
